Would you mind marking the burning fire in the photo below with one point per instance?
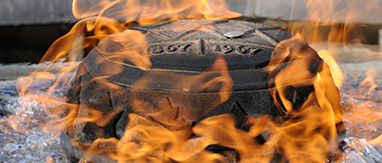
(307, 133)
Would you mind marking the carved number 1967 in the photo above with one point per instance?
(241, 49)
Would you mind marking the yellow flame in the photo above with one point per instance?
(337, 74)
(307, 133)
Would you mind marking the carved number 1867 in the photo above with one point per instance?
(170, 48)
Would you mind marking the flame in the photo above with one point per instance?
(369, 81)
(152, 11)
(361, 114)
(308, 132)
(335, 70)
(365, 113)
(99, 21)
(214, 79)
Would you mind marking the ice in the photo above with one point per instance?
(358, 151)
(11, 148)
(29, 143)
(20, 147)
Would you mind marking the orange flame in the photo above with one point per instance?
(307, 133)
(310, 133)
(365, 113)
(335, 70)
(215, 79)
(369, 82)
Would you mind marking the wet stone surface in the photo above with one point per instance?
(17, 148)
(8, 94)
(29, 143)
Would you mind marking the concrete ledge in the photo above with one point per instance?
(19, 12)
(13, 71)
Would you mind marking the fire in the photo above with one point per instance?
(309, 130)
(357, 111)
(369, 82)
(220, 79)
(335, 70)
